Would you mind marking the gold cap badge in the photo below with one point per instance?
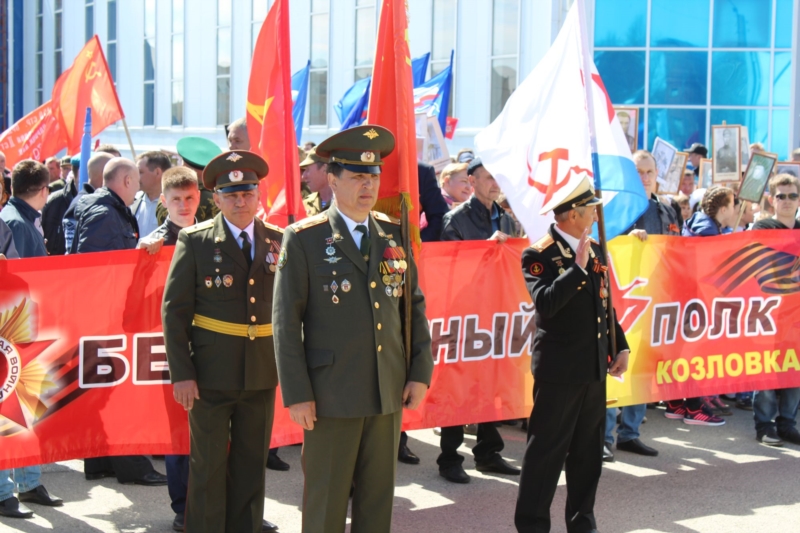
(371, 134)
(234, 157)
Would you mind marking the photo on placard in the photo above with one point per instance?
(727, 154)
(672, 181)
(663, 153)
(745, 136)
(436, 153)
(629, 121)
(705, 174)
(788, 167)
(756, 176)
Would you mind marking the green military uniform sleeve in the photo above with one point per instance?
(421, 368)
(288, 309)
(177, 311)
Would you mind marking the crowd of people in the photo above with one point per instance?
(147, 203)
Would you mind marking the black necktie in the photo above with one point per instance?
(364, 248)
(246, 247)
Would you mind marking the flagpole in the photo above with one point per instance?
(588, 88)
(128, 135)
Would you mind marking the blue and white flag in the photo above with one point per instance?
(539, 147)
(433, 96)
(299, 97)
(352, 108)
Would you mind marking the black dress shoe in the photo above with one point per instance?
(790, 435)
(404, 455)
(94, 476)
(177, 524)
(11, 508)
(608, 457)
(41, 496)
(638, 447)
(151, 479)
(276, 463)
(268, 527)
(454, 474)
(497, 465)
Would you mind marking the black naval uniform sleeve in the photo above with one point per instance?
(177, 311)
(550, 291)
(288, 309)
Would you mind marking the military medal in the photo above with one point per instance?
(346, 286)
(217, 256)
(209, 282)
(218, 281)
(334, 288)
(330, 251)
(273, 257)
(227, 280)
(388, 291)
(272, 268)
(561, 271)
(392, 244)
(392, 269)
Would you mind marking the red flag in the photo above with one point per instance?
(37, 136)
(391, 105)
(87, 83)
(269, 118)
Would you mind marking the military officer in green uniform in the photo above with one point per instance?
(315, 176)
(196, 153)
(217, 315)
(339, 344)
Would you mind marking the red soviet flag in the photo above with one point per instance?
(37, 136)
(391, 105)
(87, 83)
(269, 118)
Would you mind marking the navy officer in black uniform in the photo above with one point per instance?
(567, 276)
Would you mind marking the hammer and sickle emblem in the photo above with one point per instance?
(92, 72)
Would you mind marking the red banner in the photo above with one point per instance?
(83, 371)
(37, 136)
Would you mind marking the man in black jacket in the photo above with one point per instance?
(55, 208)
(568, 280)
(95, 168)
(480, 218)
(431, 202)
(104, 222)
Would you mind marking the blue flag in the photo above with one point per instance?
(299, 97)
(352, 108)
(86, 149)
(433, 96)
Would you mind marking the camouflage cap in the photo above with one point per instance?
(237, 170)
(359, 149)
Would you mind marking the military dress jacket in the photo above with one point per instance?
(571, 344)
(338, 331)
(209, 277)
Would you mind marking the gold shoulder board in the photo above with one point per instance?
(201, 226)
(543, 243)
(383, 217)
(273, 227)
(310, 222)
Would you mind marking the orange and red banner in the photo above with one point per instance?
(270, 124)
(87, 83)
(37, 136)
(83, 371)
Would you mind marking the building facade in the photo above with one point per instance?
(181, 67)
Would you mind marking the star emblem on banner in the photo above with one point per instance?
(629, 308)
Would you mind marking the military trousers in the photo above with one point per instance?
(340, 452)
(566, 427)
(229, 434)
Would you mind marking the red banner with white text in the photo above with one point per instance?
(83, 371)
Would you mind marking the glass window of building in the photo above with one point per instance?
(505, 53)
(39, 52)
(223, 62)
(149, 118)
(692, 64)
(366, 27)
(318, 74)
(443, 40)
(89, 20)
(58, 44)
(111, 49)
(259, 13)
(177, 61)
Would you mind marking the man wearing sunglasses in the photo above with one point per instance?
(779, 405)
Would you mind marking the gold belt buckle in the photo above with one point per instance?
(252, 329)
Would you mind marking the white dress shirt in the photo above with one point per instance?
(146, 214)
(249, 230)
(351, 226)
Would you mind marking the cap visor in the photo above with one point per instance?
(363, 169)
(237, 188)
